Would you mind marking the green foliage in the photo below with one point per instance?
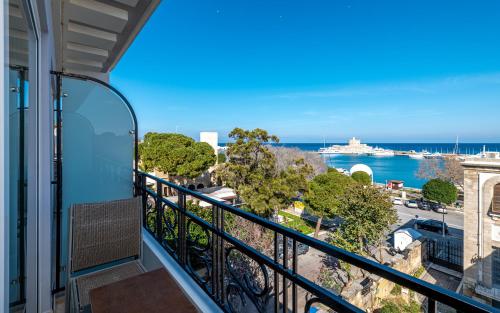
(419, 272)
(440, 191)
(326, 280)
(297, 223)
(251, 170)
(175, 154)
(396, 291)
(221, 158)
(326, 191)
(362, 178)
(390, 307)
(324, 194)
(367, 214)
(393, 307)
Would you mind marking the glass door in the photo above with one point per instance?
(18, 111)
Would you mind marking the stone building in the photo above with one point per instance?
(482, 230)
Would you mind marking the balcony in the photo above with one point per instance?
(240, 275)
(222, 257)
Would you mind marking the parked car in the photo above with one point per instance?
(411, 204)
(423, 205)
(439, 208)
(432, 225)
(397, 201)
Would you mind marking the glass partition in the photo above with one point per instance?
(18, 111)
(97, 157)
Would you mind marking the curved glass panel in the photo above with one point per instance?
(97, 148)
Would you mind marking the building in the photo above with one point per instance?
(68, 137)
(395, 184)
(482, 229)
(212, 138)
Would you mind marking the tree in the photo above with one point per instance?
(449, 169)
(430, 169)
(324, 194)
(175, 155)
(251, 170)
(221, 158)
(440, 191)
(362, 178)
(367, 215)
(454, 171)
(286, 157)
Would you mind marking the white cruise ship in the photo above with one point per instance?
(355, 147)
(380, 152)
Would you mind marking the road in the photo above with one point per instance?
(454, 220)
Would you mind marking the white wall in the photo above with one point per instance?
(4, 169)
(45, 131)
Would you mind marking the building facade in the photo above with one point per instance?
(482, 230)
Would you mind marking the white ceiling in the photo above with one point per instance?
(93, 35)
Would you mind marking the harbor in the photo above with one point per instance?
(394, 161)
(355, 147)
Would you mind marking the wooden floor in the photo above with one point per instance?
(59, 303)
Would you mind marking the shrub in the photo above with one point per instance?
(440, 191)
(221, 158)
(362, 178)
(390, 307)
(396, 291)
(419, 272)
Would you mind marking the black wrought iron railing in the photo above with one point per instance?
(246, 263)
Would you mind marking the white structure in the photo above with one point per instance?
(362, 168)
(222, 194)
(212, 138)
(355, 147)
(404, 237)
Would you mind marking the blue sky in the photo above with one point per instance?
(384, 71)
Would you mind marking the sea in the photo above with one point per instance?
(396, 167)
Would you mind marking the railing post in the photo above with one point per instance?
(431, 306)
(222, 255)
(144, 195)
(285, 280)
(159, 211)
(182, 232)
(294, 268)
(214, 252)
(218, 255)
(276, 278)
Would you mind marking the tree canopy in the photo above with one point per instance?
(175, 155)
(251, 170)
(367, 215)
(449, 169)
(440, 191)
(286, 157)
(362, 178)
(221, 158)
(325, 193)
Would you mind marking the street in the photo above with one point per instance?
(453, 219)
